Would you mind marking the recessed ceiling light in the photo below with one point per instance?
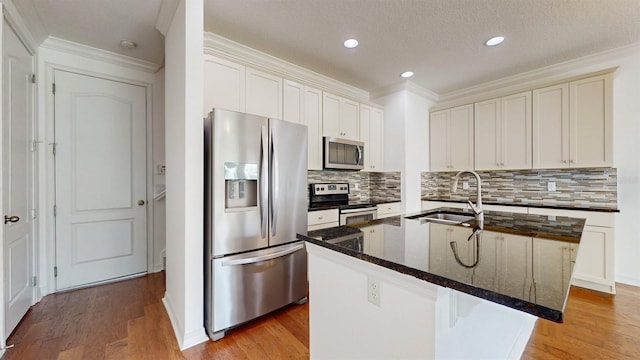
(496, 40)
(407, 74)
(127, 44)
(350, 43)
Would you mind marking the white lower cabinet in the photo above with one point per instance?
(373, 240)
(322, 219)
(388, 209)
(594, 268)
(551, 258)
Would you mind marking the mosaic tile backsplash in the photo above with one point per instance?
(372, 187)
(590, 187)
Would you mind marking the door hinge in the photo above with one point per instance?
(34, 145)
(53, 88)
(55, 271)
(53, 146)
(33, 78)
(34, 281)
(34, 214)
(55, 210)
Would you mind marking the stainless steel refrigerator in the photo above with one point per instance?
(255, 203)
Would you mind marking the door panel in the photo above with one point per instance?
(17, 165)
(100, 129)
(288, 181)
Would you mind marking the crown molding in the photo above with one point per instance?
(406, 85)
(216, 45)
(606, 61)
(27, 25)
(165, 15)
(99, 54)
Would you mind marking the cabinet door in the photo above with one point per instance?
(373, 243)
(591, 122)
(224, 85)
(516, 265)
(486, 273)
(516, 151)
(263, 94)
(293, 102)
(596, 246)
(331, 115)
(488, 135)
(313, 120)
(349, 115)
(552, 271)
(438, 141)
(461, 138)
(551, 127)
(371, 135)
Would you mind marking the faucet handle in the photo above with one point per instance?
(475, 209)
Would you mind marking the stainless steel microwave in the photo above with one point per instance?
(343, 154)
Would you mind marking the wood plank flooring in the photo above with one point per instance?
(127, 320)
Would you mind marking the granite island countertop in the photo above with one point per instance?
(516, 260)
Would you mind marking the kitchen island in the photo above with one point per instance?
(403, 287)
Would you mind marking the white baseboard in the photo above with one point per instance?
(185, 340)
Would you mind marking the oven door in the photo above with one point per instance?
(354, 216)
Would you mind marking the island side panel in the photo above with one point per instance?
(343, 324)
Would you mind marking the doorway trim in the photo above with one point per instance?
(91, 62)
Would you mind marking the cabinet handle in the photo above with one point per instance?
(320, 217)
(571, 161)
(564, 161)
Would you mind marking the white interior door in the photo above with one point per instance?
(100, 179)
(17, 170)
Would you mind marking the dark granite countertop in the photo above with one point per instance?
(517, 260)
(534, 205)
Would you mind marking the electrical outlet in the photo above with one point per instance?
(551, 186)
(355, 186)
(465, 185)
(373, 291)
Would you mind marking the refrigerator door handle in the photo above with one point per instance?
(275, 183)
(264, 185)
(257, 259)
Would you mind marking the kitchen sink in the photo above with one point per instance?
(443, 217)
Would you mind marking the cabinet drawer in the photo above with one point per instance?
(388, 209)
(322, 217)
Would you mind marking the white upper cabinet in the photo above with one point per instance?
(263, 94)
(503, 133)
(232, 86)
(371, 130)
(224, 85)
(451, 139)
(591, 122)
(573, 124)
(293, 102)
(303, 105)
(340, 117)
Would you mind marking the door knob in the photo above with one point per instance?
(140, 202)
(8, 219)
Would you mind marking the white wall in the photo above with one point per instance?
(184, 180)
(406, 141)
(626, 115)
(158, 158)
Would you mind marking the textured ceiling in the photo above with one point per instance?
(440, 40)
(101, 23)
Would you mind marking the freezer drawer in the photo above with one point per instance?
(252, 284)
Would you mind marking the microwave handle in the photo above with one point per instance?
(358, 155)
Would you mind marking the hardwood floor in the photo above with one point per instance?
(127, 320)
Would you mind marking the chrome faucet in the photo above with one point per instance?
(477, 208)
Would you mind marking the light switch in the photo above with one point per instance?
(551, 186)
(465, 185)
